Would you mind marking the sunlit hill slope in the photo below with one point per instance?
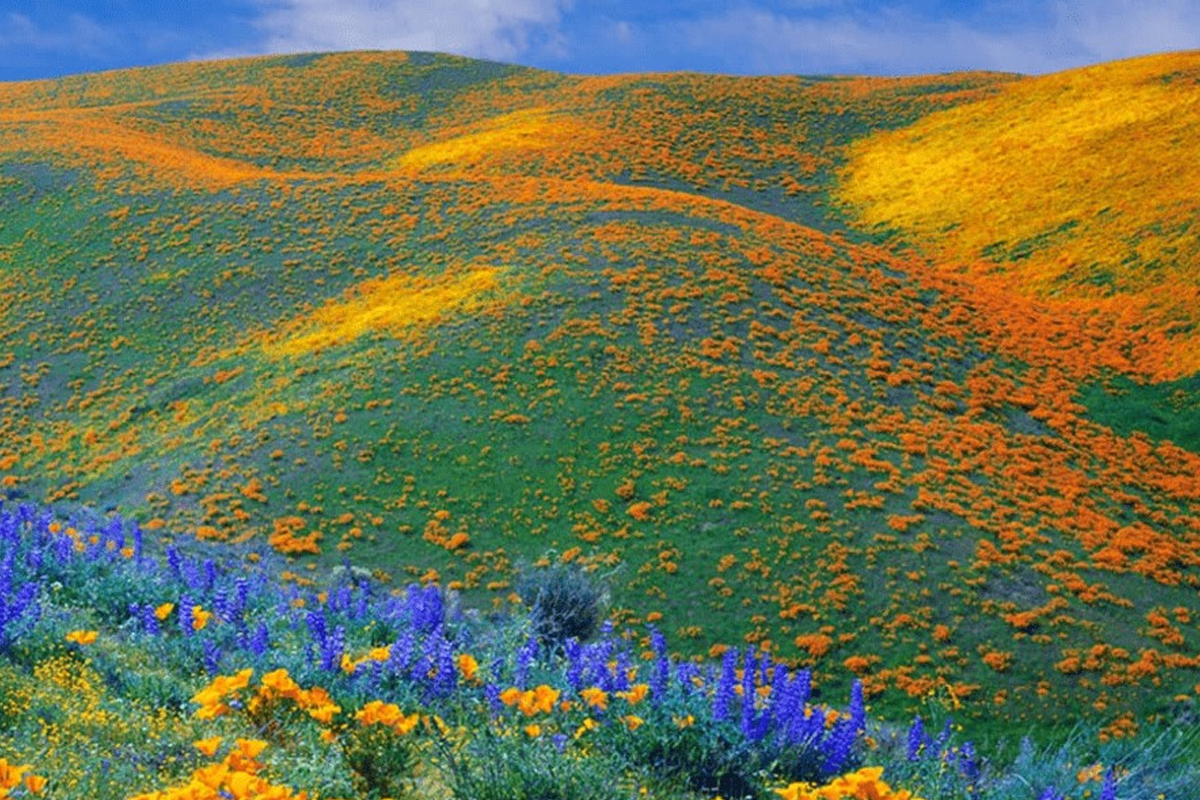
(814, 364)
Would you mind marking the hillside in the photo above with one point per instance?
(438, 316)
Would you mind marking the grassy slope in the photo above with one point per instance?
(423, 312)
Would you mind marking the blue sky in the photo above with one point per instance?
(48, 38)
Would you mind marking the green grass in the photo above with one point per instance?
(1164, 411)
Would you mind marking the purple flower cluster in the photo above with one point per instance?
(18, 595)
(963, 759)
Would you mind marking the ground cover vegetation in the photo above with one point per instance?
(192, 675)
(436, 318)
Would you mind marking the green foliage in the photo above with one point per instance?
(511, 766)
(381, 759)
(704, 759)
(1166, 410)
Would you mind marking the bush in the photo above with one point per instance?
(564, 600)
(700, 758)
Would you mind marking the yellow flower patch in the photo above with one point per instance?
(531, 129)
(395, 306)
(1072, 182)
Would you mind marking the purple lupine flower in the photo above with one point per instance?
(426, 609)
(331, 655)
(766, 668)
(724, 694)
(185, 616)
(34, 559)
(64, 549)
(574, 655)
(806, 729)
(918, 740)
(660, 674)
(137, 542)
(1109, 790)
(175, 562)
(492, 692)
(838, 746)
(1051, 794)
(686, 674)
(402, 651)
(784, 697)
(364, 600)
(620, 672)
(794, 726)
(318, 626)
(331, 643)
(858, 708)
(150, 620)
(18, 611)
(804, 678)
(525, 657)
(943, 739)
(968, 765)
(339, 599)
(212, 657)
(422, 667)
(221, 605)
(241, 595)
(445, 672)
(261, 640)
(749, 670)
(597, 655)
(210, 575)
(7, 571)
(115, 532)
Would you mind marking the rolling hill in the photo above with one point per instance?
(893, 377)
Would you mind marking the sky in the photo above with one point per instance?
(50, 38)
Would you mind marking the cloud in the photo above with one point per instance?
(77, 33)
(496, 29)
(911, 37)
(1109, 29)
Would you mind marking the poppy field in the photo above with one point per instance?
(927, 431)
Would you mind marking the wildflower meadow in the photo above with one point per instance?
(194, 673)
(388, 424)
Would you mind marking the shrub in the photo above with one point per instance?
(565, 602)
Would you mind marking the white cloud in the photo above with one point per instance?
(900, 39)
(78, 33)
(497, 29)
(1102, 30)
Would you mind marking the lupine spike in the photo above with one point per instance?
(1109, 790)
(723, 697)
(918, 740)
